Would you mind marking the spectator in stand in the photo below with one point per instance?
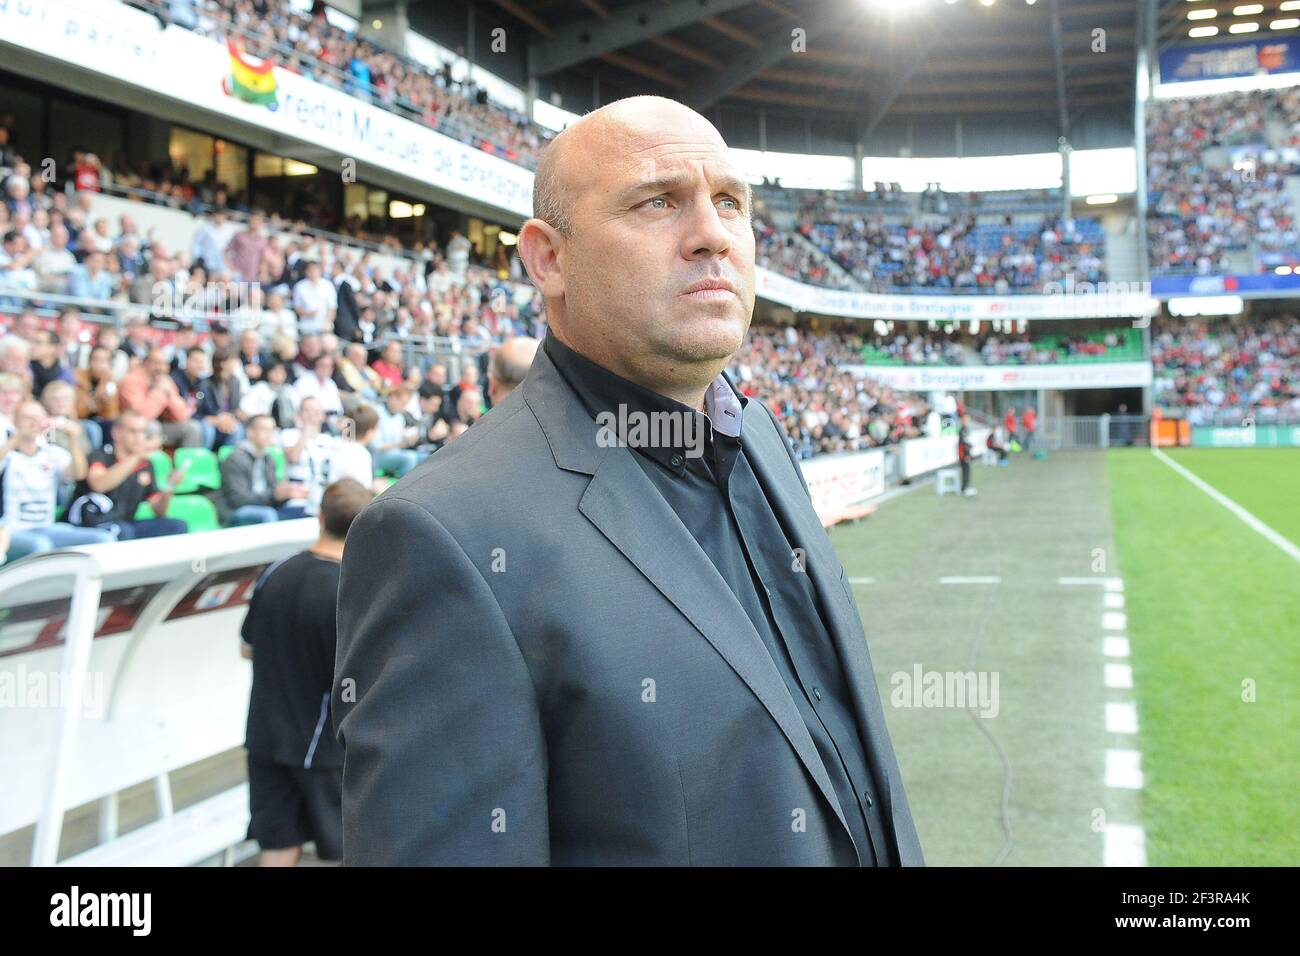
(358, 377)
(434, 426)
(97, 398)
(120, 479)
(60, 401)
(315, 300)
(45, 363)
(56, 264)
(246, 249)
(252, 357)
(458, 249)
(209, 246)
(509, 366)
(350, 455)
(31, 469)
(319, 384)
(307, 450)
(389, 366)
(272, 395)
(249, 491)
(218, 405)
(397, 434)
(150, 390)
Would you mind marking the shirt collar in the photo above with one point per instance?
(603, 391)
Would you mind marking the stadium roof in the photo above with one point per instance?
(868, 65)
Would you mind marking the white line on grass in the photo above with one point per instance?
(1115, 646)
(1124, 769)
(1114, 601)
(1121, 717)
(1124, 845)
(973, 580)
(862, 580)
(1111, 584)
(1114, 620)
(1287, 546)
(1119, 676)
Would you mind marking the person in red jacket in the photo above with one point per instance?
(1009, 423)
(1030, 420)
(964, 454)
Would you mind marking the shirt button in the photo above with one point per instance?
(867, 797)
(817, 693)
(677, 461)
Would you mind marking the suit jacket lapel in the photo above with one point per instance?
(630, 512)
(770, 460)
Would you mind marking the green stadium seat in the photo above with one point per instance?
(224, 452)
(198, 513)
(277, 456)
(204, 473)
(162, 465)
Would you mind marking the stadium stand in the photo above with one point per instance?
(1217, 167)
(1224, 372)
(316, 49)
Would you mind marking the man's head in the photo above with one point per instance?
(339, 506)
(635, 204)
(157, 363)
(311, 412)
(30, 419)
(365, 421)
(260, 432)
(398, 399)
(196, 363)
(509, 365)
(130, 432)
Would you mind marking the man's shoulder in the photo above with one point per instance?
(500, 462)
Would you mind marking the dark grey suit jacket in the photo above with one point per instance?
(538, 664)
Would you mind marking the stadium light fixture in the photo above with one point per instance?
(1202, 14)
(987, 3)
(1243, 28)
(1287, 23)
(1289, 5)
(1101, 199)
(507, 238)
(377, 24)
(1248, 9)
(1203, 31)
(1282, 271)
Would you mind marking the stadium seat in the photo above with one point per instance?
(197, 511)
(204, 472)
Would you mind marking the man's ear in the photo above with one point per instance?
(540, 248)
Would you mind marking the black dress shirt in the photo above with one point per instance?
(703, 474)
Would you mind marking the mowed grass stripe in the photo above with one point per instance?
(1211, 604)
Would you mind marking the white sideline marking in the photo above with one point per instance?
(1124, 845)
(1124, 769)
(974, 580)
(1115, 584)
(862, 580)
(1111, 584)
(1119, 676)
(1287, 546)
(1114, 620)
(1113, 600)
(1115, 647)
(1121, 717)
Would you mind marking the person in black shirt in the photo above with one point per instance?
(120, 479)
(295, 765)
(964, 453)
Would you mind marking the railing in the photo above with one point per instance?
(1064, 432)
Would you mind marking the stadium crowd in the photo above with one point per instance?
(825, 408)
(1225, 372)
(310, 45)
(962, 253)
(1200, 210)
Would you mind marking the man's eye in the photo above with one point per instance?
(662, 199)
(735, 202)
